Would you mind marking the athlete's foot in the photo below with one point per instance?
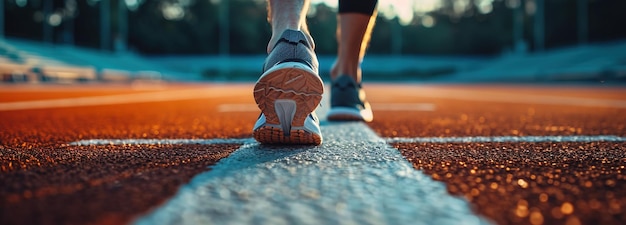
(347, 101)
(288, 92)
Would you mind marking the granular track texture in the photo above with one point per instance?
(531, 183)
(43, 180)
(95, 184)
(521, 182)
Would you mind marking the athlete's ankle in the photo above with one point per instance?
(345, 69)
(278, 32)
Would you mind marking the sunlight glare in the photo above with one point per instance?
(428, 21)
(460, 6)
(426, 6)
(404, 10)
(172, 11)
(484, 6)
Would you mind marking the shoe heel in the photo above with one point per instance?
(289, 81)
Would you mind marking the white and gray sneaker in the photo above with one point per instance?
(347, 101)
(288, 92)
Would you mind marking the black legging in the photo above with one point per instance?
(357, 6)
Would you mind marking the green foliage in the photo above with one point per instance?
(151, 33)
(198, 31)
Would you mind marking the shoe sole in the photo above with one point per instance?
(286, 94)
(349, 114)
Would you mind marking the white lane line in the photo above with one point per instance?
(162, 96)
(512, 97)
(377, 107)
(580, 138)
(162, 141)
(403, 106)
(353, 178)
(476, 139)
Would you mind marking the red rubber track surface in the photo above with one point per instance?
(517, 183)
(46, 181)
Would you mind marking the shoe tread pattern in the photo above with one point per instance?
(273, 135)
(290, 83)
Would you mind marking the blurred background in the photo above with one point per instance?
(219, 40)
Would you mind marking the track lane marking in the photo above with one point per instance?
(474, 139)
(340, 182)
(162, 96)
(507, 97)
(403, 106)
(353, 178)
(483, 139)
(163, 141)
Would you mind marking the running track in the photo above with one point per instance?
(182, 153)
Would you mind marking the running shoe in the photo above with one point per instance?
(288, 92)
(347, 101)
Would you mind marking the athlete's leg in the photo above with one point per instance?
(347, 98)
(289, 88)
(287, 14)
(355, 23)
